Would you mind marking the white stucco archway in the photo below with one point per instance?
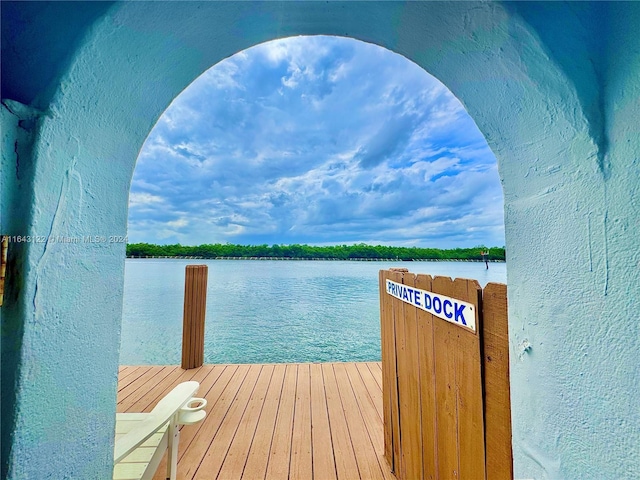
(567, 154)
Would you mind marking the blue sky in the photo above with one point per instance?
(317, 140)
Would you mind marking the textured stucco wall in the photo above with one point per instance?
(558, 114)
(19, 125)
(573, 269)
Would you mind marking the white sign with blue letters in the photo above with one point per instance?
(449, 309)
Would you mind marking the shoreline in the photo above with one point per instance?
(158, 257)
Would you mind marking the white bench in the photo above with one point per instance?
(142, 438)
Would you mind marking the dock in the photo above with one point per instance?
(319, 421)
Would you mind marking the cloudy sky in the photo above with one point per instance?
(316, 140)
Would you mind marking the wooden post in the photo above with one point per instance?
(195, 303)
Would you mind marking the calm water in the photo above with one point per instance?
(267, 311)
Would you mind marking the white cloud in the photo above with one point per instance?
(138, 199)
(179, 223)
(316, 140)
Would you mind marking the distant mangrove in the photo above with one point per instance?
(310, 252)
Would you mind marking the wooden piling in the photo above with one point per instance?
(195, 303)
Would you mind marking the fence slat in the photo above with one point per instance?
(426, 362)
(497, 404)
(388, 366)
(409, 388)
(446, 343)
(398, 335)
(469, 380)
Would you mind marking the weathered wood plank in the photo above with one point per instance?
(446, 342)
(496, 373)
(388, 371)
(426, 359)
(469, 379)
(409, 388)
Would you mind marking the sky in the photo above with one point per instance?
(319, 141)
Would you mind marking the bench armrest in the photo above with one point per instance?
(166, 408)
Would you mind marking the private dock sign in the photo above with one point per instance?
(449, 309)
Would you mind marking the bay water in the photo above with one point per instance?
(267, 311)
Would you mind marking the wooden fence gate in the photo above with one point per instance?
(445, 373)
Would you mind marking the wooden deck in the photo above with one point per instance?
(284, 421)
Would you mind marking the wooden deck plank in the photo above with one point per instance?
(213, 379)
(301, 460)
(129, 375)
(159, 390)
(280, 454)
(346, 464)
(324, 465)
(376, 371)
(258, 456)
(139, 388)
(371, 416)
(219, 399)
(236, 458)
(273, 422)
(362, 447)
(373, 387)
(132, 375)
(205, 376)
(212, 462)
(391, 384)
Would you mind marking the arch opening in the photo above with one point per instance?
(317, 140)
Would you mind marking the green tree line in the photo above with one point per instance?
(339, 252)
